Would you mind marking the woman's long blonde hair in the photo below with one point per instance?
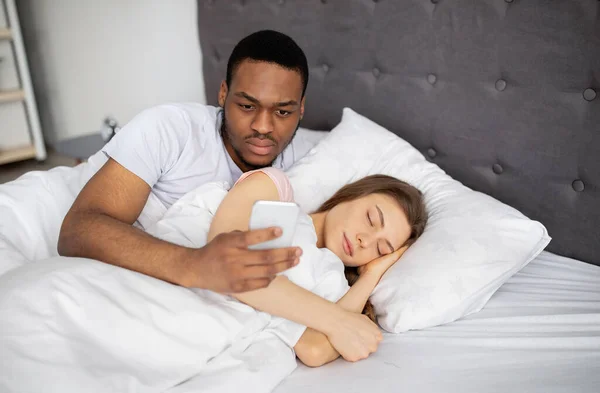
(407, 196)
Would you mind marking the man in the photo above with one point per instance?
(172, 149)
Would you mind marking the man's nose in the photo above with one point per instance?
(263, 122)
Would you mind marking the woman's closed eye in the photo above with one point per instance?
(384, 248)
(373, 225)
(373, 221)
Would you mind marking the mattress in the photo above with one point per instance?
(539, 333)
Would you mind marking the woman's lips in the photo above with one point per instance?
(348, 249)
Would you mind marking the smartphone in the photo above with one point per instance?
(266, 214)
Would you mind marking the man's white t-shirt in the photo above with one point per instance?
(176, 148)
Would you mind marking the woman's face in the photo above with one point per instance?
(365, 229)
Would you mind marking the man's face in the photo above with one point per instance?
(262, 110)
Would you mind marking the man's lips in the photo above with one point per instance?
(260, 142)
(261, 147)
(348, 249)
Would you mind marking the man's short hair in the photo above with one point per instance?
(271, 47)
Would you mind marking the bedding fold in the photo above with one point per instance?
(76, 324)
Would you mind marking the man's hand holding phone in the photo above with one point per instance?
(227, 265)
(242, 261)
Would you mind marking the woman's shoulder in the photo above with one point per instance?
(278, 177)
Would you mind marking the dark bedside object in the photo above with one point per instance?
(81, 147)
(84, 146)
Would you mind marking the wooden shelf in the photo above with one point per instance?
(21, 95)
(12, 96)
(17, 154)
(5, 34)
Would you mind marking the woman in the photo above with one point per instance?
(367, 224)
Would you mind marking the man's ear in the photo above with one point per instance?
(302, 107)
(222, 94)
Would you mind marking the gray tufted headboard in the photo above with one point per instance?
(504, 95)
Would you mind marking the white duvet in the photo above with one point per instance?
(78, 325)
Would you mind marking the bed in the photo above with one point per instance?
(504, 95)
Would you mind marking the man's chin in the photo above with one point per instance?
(257, 161)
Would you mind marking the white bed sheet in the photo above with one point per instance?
(539, 333)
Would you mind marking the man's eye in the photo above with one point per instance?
(245, 106)
(283, 113)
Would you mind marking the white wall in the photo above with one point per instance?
(95, 58)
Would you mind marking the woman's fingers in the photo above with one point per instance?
(383, 263)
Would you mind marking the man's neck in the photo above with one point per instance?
(237, 160)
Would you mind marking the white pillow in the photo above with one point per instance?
(472, 243)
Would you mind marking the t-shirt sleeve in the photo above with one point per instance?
(151, 143)
(284, 188)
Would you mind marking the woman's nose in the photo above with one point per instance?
(364, 240)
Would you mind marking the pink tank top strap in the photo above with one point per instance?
(284, 188)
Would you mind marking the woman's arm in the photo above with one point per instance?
(235, 209)
(352, 336)
(313, 348)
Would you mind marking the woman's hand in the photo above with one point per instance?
(380, 265)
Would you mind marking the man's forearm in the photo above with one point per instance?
(100, 237)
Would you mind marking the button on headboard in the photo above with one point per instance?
(504, 95)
